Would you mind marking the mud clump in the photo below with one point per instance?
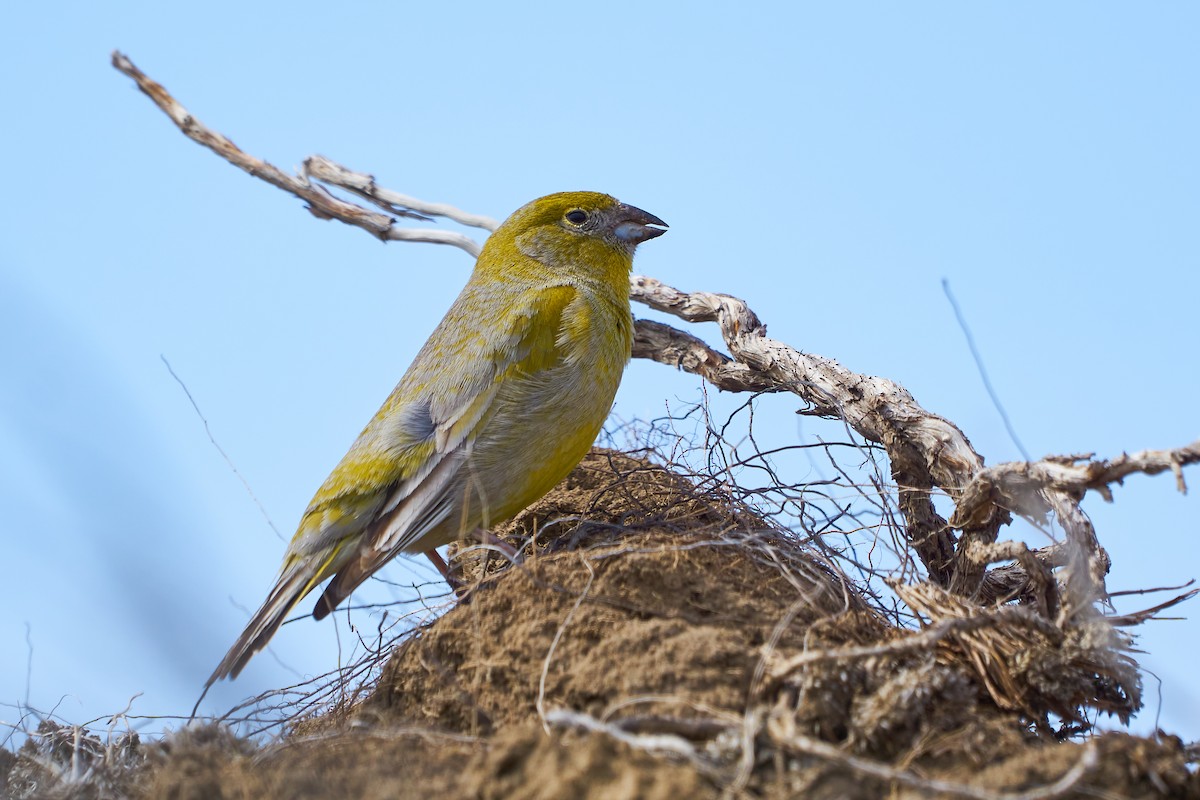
(660, 640)
(635, 607)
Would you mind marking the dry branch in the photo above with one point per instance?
(926, 452)
(320, 202)
(1020, 486)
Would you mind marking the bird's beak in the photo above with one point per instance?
(636, 226)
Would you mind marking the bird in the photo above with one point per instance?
(500, 404)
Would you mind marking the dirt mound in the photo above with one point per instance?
(660, 641)
(635, 597)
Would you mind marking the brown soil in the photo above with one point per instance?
(635, 653)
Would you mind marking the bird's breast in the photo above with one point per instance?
(545, 422)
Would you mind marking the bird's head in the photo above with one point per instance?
(578, 230)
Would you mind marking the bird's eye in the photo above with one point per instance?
(577, 216)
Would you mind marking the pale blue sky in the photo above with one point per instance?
(828, 163)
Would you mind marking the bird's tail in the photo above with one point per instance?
(298, 577)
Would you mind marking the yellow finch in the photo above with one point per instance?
(500, 404)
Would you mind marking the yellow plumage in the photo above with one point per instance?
(503, 400)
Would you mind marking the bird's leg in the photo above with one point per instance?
(444, 568)
(486, 538)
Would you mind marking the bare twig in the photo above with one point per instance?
(363, 185)
(1021, 486)
(983, 374)
(671, 346)
(228, 461)
(541, 696)
(321, 203)
(1138, 617)
(668, 743)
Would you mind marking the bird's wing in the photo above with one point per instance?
(398, 480)
(430, 494)
(396, 468)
